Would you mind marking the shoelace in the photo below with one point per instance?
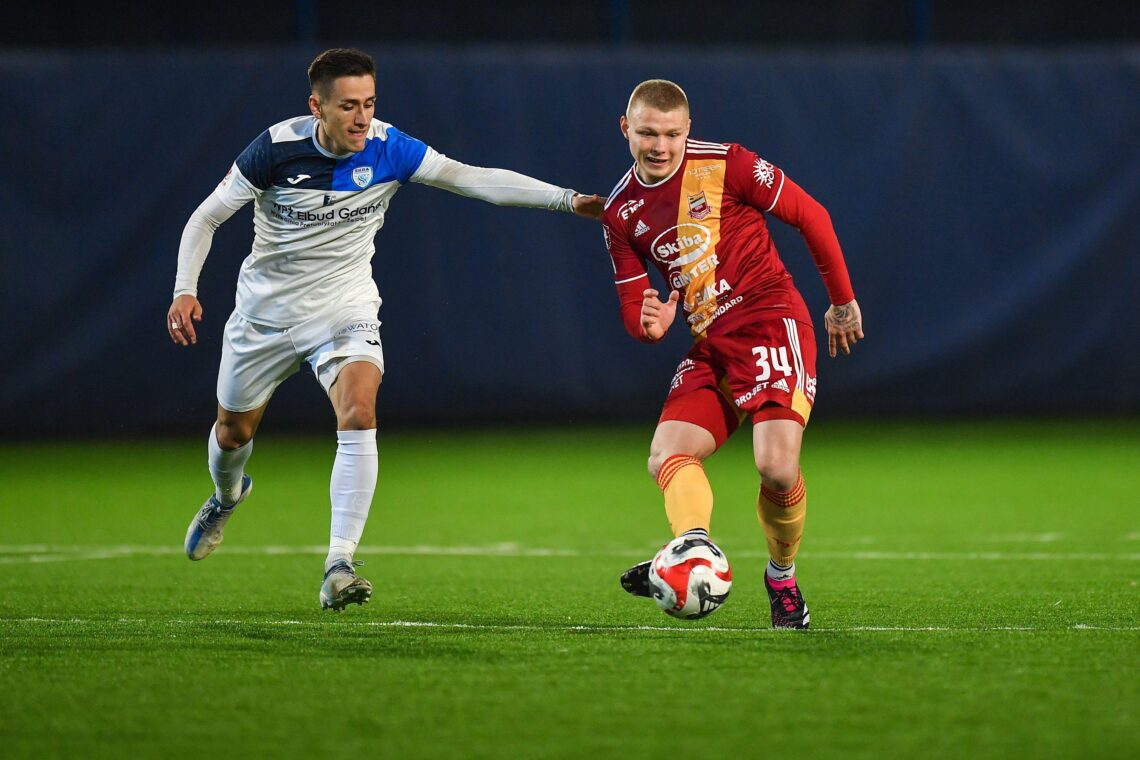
(212, 512)
(350, 567)
(790, 598)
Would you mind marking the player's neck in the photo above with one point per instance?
(325, 142)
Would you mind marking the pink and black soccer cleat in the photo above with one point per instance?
(789, 610)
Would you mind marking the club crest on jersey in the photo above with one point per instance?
(362, 176)
(698, 206)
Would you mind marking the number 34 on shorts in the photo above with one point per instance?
(768, 362)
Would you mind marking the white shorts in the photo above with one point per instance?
(257, 358)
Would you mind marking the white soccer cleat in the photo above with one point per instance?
(205, 531)
(342, 587)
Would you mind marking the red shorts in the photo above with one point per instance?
(766, 369)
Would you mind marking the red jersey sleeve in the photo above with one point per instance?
(765, 187)
(797, 208)
(630, 277)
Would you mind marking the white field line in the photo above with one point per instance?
(38, 553)
(683, 630)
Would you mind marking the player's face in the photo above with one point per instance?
(345, 114)
(656, 140)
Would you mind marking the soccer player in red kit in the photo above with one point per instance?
(696, 211)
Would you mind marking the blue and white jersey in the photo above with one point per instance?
(315, 217)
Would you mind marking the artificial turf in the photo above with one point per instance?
(974, 592)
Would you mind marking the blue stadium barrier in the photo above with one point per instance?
(988, 203)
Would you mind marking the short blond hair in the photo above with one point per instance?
(660, 94)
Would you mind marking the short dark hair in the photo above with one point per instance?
(339, 62)
(660, 94)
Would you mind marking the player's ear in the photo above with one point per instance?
(315, 106)
(624, 124)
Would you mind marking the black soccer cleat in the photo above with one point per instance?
(636, 579)
(789, 610)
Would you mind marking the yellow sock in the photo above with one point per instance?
(782, 514)
(688, 496)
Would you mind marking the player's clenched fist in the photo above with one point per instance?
(657, 315)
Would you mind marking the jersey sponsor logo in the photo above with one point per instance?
(362, 176)
(742, 400)
(329, 200)
(713, 290)
(680, 278)
(357, 327)
(322, 217)
(781, 385)
(700, 325)
(704, 171)
(298, 178)
(626, 209)
(679, 377)
(764, 172)
(640, 229)
(681, 244)
(699, 206)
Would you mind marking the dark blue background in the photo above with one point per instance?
(988, 203)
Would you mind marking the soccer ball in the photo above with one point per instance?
(690, 577)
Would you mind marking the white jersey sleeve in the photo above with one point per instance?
(233, 193)
(499, 186)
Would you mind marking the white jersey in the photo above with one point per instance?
(316, 215)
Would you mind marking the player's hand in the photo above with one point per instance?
(184, 312)
(844, 327)
(589, 206)
(657, 315)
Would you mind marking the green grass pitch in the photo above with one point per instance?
(973, 587)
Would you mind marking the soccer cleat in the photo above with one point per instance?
(788, 607)
(205, 531)
(636, 579)
(343, 587)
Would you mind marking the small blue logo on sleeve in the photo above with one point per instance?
(362, 176)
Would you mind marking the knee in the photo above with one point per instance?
(233, 435)
(658, 457)
(359, 415)
(778, 473)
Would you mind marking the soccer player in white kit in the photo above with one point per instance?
(321, 185)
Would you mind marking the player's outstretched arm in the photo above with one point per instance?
(657, 315)
(844, 327)
(180, 319)
(502, 187)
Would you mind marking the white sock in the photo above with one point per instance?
(227, 468)
(778, 573)
(353, 482)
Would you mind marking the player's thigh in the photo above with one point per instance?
(697, 418)
(255, 360)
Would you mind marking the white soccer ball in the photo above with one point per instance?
(690, 577)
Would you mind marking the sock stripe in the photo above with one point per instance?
(672, 466)
(785, 498)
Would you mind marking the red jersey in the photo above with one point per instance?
(704, 230)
